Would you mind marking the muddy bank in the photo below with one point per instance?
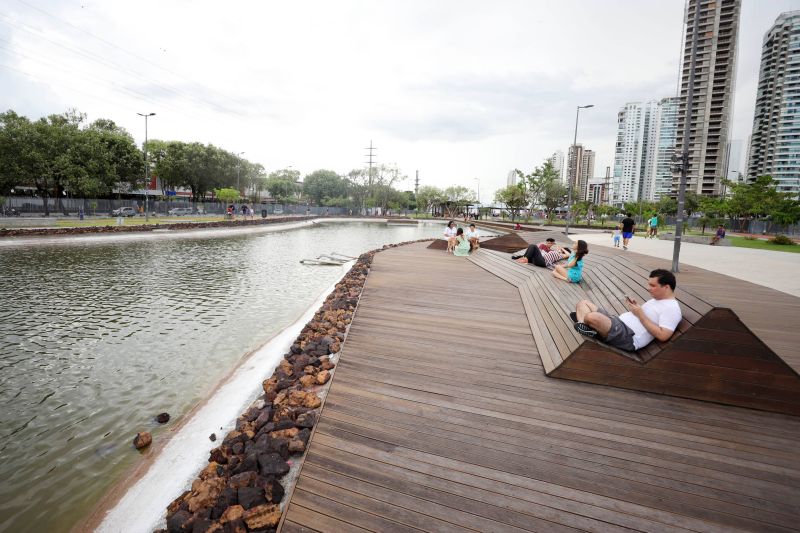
(48, 232)
(243, 487)
(143, 228)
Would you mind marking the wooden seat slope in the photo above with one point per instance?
(712, 356)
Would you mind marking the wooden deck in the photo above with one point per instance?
(440, 418)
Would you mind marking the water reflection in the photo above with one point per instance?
(96, 339)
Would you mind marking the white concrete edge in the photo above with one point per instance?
(142, 507)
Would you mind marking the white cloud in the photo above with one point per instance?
(458, 90)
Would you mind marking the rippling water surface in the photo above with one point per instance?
(98, 338)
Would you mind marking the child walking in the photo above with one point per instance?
(617, 234)
(572, 272)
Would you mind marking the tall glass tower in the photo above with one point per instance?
(775, 143)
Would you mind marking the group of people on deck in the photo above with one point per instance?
(459, 242)
(641, 324)
(548, 254)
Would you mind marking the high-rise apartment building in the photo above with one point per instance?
(713, 92)
(584, 159)
(775, 142)
(659, 183)
(643, 152)
(557, 160)
(511, 179)
(630, 151)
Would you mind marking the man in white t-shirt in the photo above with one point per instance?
(631, 331)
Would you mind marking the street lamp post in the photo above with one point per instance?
(478, 195)
(575, 173)
(238, 166)
(146, 168)
(676, 247)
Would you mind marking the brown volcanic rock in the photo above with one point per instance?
(267, 515)
(323, 377)
(234, 512)
(142, 440)
(204, 493)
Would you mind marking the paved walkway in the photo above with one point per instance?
(776, 270)
(440, 418)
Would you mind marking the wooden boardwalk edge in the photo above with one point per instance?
(440, 417)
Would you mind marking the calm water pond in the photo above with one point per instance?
(98, 338)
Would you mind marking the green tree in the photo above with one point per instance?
(515, 198)
(429, 196)
(282, 185)
(555, 196)
(583, 210)
(322, 185)
(227, 195)
(457, 197)
(538, 182)
(604, 212)
(667, 206)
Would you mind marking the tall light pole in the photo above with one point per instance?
(575, 173)
(478, 194)
(146, 168)
(238, 166)
(684, 161)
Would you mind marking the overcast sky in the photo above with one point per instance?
(456, 89)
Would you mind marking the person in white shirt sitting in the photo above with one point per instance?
(450, 235)
(631, 331)
(472, 236)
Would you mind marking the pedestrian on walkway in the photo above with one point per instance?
(628, 229)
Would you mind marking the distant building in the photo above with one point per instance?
(580, 167)
(643, 151)
(597, 190)
(775, 142)
(659, 181)
(713, 92)
(557, 160)
(512, 178)
(735, 164)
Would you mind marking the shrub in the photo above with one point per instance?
(750, 237)
(781, 239)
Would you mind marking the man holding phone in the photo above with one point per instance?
(655, 319)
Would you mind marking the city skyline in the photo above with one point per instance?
(458, 91)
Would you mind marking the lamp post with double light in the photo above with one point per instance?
(238, 167)
(575, 171)
(146, 168)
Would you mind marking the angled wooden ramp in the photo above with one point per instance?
(510, 242)
(712, 356)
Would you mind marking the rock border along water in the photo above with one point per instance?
(243, 487)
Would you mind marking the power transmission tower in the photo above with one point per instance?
(371, 160)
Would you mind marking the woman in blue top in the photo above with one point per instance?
(573, 270)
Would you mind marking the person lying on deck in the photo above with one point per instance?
(535, 255)
(631, 331)
(547, 245)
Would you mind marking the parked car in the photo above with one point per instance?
(179, 211)
(124, 212)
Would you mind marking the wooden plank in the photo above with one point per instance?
(426, 430)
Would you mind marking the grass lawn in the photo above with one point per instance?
(741, 242)
(133, 221)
